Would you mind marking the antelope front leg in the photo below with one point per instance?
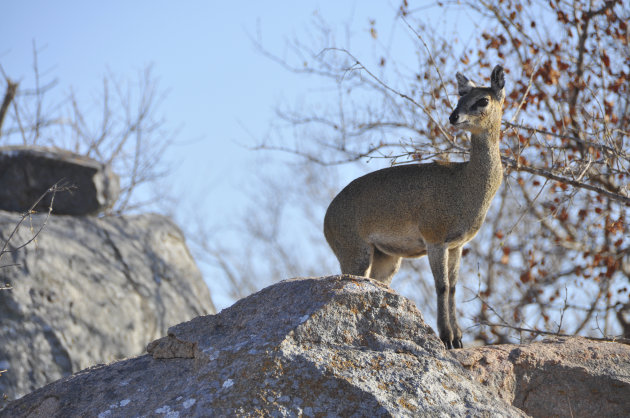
(438, 259)
(454, 256)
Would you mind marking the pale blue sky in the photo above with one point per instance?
(221, 90)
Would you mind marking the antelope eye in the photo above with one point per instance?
(482, 102)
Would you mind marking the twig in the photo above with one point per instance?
(394, 91)
(530, 207)
(57, 187)
(571, 138)
(551, 176)
(353, 156)
(621, 340)
(564, 308)
(529, 86)
(450, 105)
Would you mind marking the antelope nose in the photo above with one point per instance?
(453, 118)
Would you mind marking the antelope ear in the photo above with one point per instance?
(497, 80)
(464, 85)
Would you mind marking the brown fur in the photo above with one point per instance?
(419, 209)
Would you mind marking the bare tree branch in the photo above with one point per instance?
(9, 95)
(60, 186)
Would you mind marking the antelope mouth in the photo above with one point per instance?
(459, 123)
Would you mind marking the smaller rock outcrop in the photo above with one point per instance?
(90, 290)
(26, 172)
(572, 377)
(335, 346)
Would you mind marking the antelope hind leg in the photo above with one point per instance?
(356, 260)
(384, 266)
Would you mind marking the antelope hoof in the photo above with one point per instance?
(451, 344)
(448, 343)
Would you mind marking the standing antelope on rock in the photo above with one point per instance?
(417, 209)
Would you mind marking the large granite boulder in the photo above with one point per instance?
(558, 377)
(90, 290)
(26, 172)
(335, 346)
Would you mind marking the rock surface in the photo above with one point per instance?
(90, 290)
(27, 172)
(572, 377)
(336, 346)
